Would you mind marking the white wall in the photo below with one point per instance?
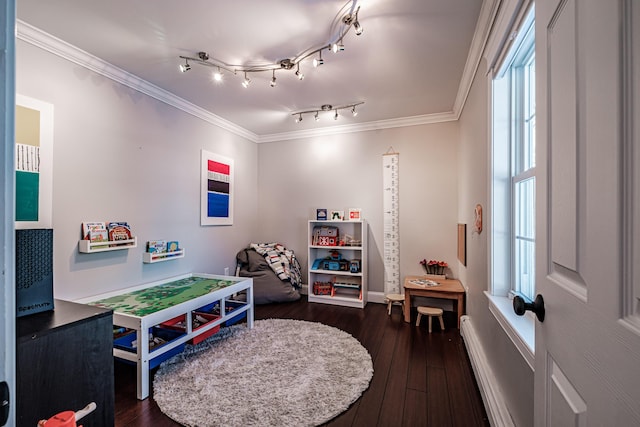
(510, 369)
(342, 171)
(120, 155)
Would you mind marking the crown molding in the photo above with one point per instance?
(481, 34)
(56, 46)
(361, 127)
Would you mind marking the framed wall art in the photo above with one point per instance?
(216, 191)
(462, 244)
(33, 163)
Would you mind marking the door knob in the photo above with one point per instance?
(537, 306)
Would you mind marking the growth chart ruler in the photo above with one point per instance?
(390, 186)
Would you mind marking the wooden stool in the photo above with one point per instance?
(394, 298)
(430, 311)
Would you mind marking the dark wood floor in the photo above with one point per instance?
(419, 379)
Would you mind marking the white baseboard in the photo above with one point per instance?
(489, 388)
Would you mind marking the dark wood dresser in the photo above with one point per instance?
(64, 361)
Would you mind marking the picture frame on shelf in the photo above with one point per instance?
(355, 214)
(337, 216)
(321, 214)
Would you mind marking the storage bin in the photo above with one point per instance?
(231, 306)
(203, 336)
(176, 324)
(125, 343)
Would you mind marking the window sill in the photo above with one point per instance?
(520, 329)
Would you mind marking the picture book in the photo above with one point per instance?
(157, 246)
(172, 246)
(87, 227)
(119, 231)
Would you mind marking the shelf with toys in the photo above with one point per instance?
(337, 259)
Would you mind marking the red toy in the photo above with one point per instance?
(67, 418)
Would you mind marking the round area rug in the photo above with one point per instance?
(280, 373)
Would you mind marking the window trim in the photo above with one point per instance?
(519, 329)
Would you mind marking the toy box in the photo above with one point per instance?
(325, 236)
(322, 288)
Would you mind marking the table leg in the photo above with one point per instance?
(407, 305)
(460, 308)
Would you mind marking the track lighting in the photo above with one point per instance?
(246, 82)
(318, 61)
(345, 18)
(273, 79)
(217, 76)
(357, 27)
(328, 108)
(185, 67)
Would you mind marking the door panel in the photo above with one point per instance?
(566, 407)
(587, 357)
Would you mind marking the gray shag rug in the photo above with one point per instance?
(280, 373)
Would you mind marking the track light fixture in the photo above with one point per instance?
(346, 18)
(318, 61)
(185, 67)
(217, 76)
(299, 75)
(246, 82)
(328, 108)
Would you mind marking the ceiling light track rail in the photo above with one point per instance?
(345, 19)
(327, 107)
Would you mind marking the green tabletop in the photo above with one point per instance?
(156, 298)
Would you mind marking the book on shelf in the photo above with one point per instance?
(119, 231)
(157, 246)
(98, 235)
(89, 226)
(173, 246)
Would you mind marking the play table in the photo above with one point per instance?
(150, 309)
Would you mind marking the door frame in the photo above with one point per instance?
(7, 213)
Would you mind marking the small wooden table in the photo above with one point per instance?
(447, 289)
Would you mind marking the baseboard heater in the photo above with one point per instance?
(489, 388)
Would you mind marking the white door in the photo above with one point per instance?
(587, 368)
(7, 263)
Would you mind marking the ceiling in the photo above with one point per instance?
(414, 59)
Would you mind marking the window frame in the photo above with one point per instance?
(520, 329)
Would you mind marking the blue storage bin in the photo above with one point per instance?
(125, 343)
(238, 317)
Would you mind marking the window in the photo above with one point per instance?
(514, 180)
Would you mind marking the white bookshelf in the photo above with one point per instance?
(339, 295)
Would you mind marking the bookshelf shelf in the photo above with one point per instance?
(152, 257)
(88, 247)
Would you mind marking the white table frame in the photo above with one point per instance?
(141, 325)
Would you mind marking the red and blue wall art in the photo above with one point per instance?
(217, 190)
